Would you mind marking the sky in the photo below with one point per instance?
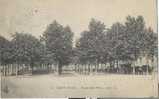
(33, 16)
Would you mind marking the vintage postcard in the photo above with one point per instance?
(78, 49)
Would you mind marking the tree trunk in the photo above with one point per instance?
(59, 68)
(147, 63)
(117, 62)
(31, 64)
(134, 68)
(89, 68)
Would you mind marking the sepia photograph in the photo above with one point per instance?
(84, 49)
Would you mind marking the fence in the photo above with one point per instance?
(15, 69)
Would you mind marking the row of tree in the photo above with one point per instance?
(98, 44)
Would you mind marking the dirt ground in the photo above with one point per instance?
(50, 85)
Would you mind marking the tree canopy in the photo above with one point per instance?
(90, 45)
(58, 41)
(120, 42)
(5, 51)
(126, 41)
(26, 49)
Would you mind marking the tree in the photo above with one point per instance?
(116, 43)
(150, 43)
(26, 49)
(5, 51)
(134, 35)
(141, 41)
(90, 45)
(149, 48)
(58, 41)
